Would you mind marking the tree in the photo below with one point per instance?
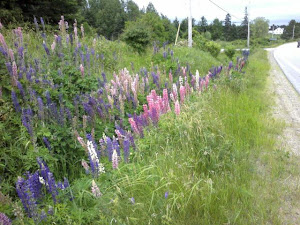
(227, 27)
(260, 27)
(151, 9)
(50, 10)
(169, 28)
(132, 10)
(243, 30)
(107, 16)
(176, 23)
(216, 29)
(288, 31)
(137, 35)
(202, 25)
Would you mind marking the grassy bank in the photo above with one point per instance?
(216, 163)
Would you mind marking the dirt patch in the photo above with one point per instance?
(287, 109)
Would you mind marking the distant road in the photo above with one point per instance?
(288, 58)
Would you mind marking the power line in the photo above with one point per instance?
(224, 10)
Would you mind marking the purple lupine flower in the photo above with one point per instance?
(166, 194)
(42, 22)
(29, 203)
(47, 143)
(52, 186)
(69, 114)
(60, 185)
(109, 148)
(15, 101)
(21, 53)
(4, 220)
(50, 210)
(131, 139)
(40, 108)
(43, 216)
(230, 65)
(2, 50)
(9, 68)
(61, 117)
(28, 76)
(88, 109)
(132, 200)
(165, 54)
(36, 24)
(116, 146)
(26, 120)
(48, 98)
(104, 77)
(126, 145)
(44, 169)
(20, 87)
(34, 185)
(46, 48)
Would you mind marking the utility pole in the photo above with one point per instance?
(248, 38)
(293, 32)
(190, 40)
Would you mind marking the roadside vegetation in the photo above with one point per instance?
(107, 122)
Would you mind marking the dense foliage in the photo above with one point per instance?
(65, 114)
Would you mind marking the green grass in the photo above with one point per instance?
(218, 162)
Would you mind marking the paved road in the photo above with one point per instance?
(288, 58)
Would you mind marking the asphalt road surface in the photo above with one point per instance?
(288, 58)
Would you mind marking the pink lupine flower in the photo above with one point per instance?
(3, 43)
(80, 140)
(115, 162)
(187, 89)
(133, 125)
(166, 100)
(53, 46)
(118, 134)
(172, 97)
(82, 70)
(95, 190)
(146, 115)
(180, 80)
(75, 30)
(197, 80)
(1, 26)
(11, 55)
(177, 108)
(175, 93)
(85, 165)
(202, 84)
(182, 94)
(184, 71)
(110, 100)
(161, 105)
(154, 95)
(82, 30)
(206, 81)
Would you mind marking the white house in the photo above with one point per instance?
(277, 31)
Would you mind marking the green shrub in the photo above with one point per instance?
(207, 35)
(213, 48)
(230, 51)
(137, 36)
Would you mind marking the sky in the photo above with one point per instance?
(278, 12)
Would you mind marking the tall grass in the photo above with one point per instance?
(203, 167)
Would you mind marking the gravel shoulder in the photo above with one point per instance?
(287, 109)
